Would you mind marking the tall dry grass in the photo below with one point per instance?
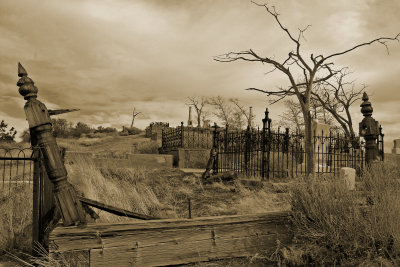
(147, 147)
(121, 188)
(335, 226)
(16, 218)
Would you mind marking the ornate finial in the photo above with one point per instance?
(27, 87)
(366, 107)
(265, 119)
(365, 97)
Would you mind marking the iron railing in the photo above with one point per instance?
(16, 168)
(267, 153)
(187, 137)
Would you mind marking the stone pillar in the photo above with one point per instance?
(369, 129)
(396, 147)
(190, 122)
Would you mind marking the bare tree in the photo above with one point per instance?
(314, 70)
(198, 105)
(336, 97)
(231, 112)
(134, 114)
(241, 111)
(223, 110)
(292, 117)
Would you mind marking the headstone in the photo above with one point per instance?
(321, 146)
(396, 147)
(348, 176)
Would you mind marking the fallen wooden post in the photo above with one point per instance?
(207, 173)
(172, 241)
(114, 210)
(227, 176)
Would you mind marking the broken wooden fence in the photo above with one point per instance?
(155, 242)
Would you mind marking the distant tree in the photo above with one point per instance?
(198, 105)
(102, 129)
(242, 112)
(61, 127)
(231, 112)
(81, 128)
(222, 109)
(336, 97)
(134, 114)
(25, 136)
(7, 135)
(292, 117)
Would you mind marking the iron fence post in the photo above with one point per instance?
(246, 149)
(182, 135)
(268, 144)
(382, 148)
(263, 151)
(215, 147)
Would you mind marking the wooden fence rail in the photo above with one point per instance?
(172, 241)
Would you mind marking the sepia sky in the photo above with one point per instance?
(106, 57)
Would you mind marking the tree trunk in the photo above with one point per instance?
(309, 148)
(199, 120)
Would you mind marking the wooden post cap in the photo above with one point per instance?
(26, 85)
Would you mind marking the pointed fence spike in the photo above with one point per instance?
(21, 70)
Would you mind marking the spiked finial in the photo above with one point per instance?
(21, 71)
(366, 107)
(27, 87)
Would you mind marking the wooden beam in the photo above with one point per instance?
(60, 111)
(175, 241)
(114, 210)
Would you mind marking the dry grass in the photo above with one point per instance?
(160, 192)
(16, 218)
(148, 147)
(335, 226)
(165, 192)
(121, 188)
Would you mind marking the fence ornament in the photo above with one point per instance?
(39, 121)
(369, 129)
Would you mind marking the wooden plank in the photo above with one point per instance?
(115, 210)
(151, 237)
(182, 252)
(174, 241)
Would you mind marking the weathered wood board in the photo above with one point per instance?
(174, 241)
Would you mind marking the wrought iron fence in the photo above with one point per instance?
(187, 137)
(16, 168)
(268, 153)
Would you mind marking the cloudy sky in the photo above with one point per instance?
(106, 57)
